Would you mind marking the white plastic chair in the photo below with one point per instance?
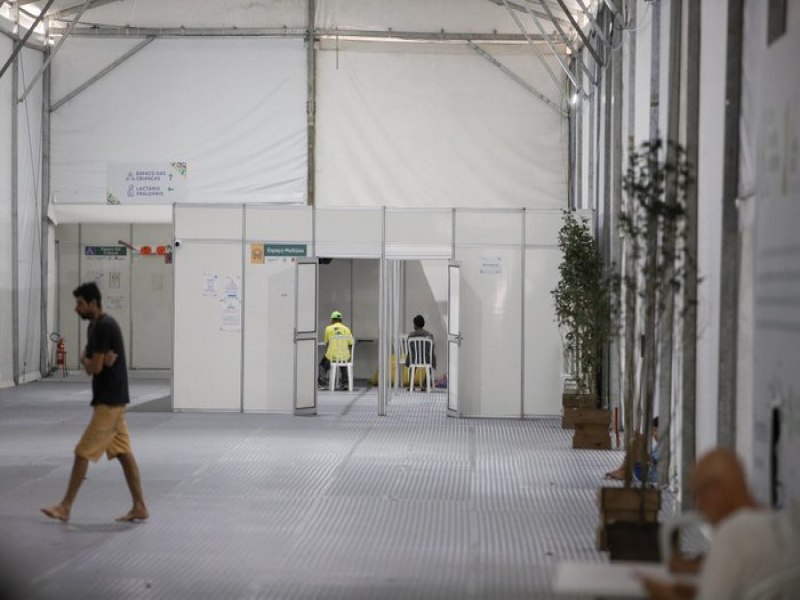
(403, 349)
(342, 348)
(689, 519)
(420, 356)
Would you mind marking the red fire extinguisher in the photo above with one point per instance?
(61, 356)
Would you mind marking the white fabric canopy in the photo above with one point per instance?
(233, 109)
(432, 125)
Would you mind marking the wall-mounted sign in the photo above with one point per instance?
(285, 249)
(146, 183)
(105, 251)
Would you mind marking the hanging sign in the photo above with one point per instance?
(285, 249)
(146, 183)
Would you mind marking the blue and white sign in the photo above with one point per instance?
(146, 183)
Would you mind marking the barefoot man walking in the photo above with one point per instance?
(104, 359)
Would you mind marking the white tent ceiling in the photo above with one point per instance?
(428, 16)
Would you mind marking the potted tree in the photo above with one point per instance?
(582, 308)
(652, 225)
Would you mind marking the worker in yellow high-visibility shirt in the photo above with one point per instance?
(335, 328)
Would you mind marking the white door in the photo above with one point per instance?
(305, 337)
(453, 337)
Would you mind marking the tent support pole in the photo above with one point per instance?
(311, 102)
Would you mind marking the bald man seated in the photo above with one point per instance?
(750, 544)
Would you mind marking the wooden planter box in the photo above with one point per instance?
(629, 529)
(572, 403)
(591, 429)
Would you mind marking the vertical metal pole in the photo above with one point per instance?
(311, 102)
(578, 110)
(131, 364)
(689, 338)
(617, 170)
(383, 328)
(592, 151)
(655, 67)
(15, 220)
(609, 218)
(242, 312)
(669, 242)
(729, 268)
(632, 25)
(523, 337)
(44, 355)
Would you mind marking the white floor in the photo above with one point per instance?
(342, 505)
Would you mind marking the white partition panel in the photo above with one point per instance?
(489, 250)
(287, 224)
(208, 348)
(419, 233)
(269, 335)
(543, 353)
(208, 222)
(207, 364)
(542, 340)
(151, 300)
(356, 232)
(111, 272)
(269, 345)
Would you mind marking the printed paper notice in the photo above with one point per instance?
(231, 314)
(210, 284)
(233, 286)
(491, 265)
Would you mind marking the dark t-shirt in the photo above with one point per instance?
(110, 386)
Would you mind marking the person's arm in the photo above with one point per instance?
(92, 364)
(98, 353)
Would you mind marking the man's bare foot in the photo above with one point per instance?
(616, 474)
(135, 514)
(58, 512)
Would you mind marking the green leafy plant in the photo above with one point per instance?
(582, 303)
(652, 224)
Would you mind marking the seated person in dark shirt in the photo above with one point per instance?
(420, 331)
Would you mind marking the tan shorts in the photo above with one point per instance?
(106, 432)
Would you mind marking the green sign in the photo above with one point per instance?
(105, 251)
(285, 249)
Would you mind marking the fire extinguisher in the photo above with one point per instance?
(61, 356)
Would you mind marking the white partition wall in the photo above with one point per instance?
(102, 261)
(151, 300)
(349, 232)
(221, 367)
(274, 239)
(489, 249)
(419, 233)
(207, 371)
(542, 340)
